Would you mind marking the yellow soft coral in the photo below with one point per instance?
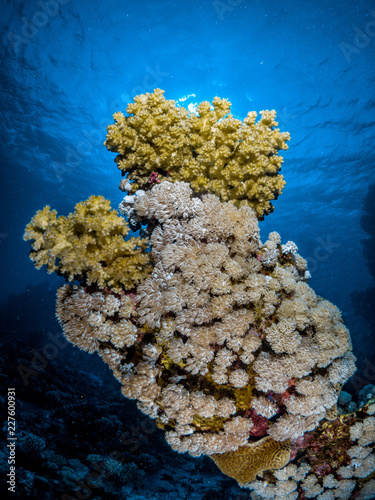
(88, 245)
(213, 151)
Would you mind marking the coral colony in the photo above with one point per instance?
(215, 334)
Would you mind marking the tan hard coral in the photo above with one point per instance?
(236, 160)
(88, 245)
(248, 461)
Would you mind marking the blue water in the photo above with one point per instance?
(67, 66)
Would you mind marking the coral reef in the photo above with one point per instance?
(223, 337)
(215, 334)
(335, 461)
(213, 151)
(88, 245)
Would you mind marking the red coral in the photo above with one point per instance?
(260, 424)
(153, 179)
(279, 399)
(322, 470)
(284, 395)
(301, 494)
(297, 445)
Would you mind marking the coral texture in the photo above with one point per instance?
(89, 319)
(216, 335)
(249, 460)
(221, 338)
(335, 461)
(88, 245)
(237, 161)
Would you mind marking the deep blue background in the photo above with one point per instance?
(65, 72)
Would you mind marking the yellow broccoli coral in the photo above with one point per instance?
(88, 245)
(213, 151)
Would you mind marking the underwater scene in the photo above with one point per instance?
(187, 244)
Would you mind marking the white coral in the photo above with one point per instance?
(238, 378)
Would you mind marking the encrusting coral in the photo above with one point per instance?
(88, 245)
(335, 461)
(245, 463)
(216, 335)
(213, 151)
